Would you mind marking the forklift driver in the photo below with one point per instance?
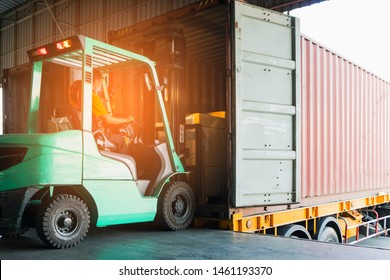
(98, 109)
(100, 113)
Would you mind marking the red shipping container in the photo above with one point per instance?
(345, 127)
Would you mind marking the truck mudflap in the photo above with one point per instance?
(12, 205)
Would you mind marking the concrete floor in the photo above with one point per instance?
(133, 243)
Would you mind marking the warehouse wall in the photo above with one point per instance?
(33, 24)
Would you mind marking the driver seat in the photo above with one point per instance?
(126, 159)
(66, 117)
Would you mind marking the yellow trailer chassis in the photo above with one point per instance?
(347, 213)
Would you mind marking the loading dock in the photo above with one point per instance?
(145, 243)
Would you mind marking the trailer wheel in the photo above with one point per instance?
(63, 222)
(328, 230)
(176, 206)
(328, 235)
(294, 231)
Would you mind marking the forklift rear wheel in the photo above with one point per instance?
(176, 206)
(63, 222)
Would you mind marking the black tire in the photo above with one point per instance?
(176, 206)
(63, 222)
(294, 231)
(329, 234)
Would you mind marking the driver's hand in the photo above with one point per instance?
(130, 119)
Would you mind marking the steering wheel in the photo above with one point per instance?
(133, 131)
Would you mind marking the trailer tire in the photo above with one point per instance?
(328, 235)
(294, 231)
(176, 206)
(63, 221)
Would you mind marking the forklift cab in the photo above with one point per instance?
(124, 91)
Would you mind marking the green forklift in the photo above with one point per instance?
(63, 176)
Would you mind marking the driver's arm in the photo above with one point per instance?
(110, 120)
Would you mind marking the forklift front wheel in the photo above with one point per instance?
(176, 206)
(63, 222)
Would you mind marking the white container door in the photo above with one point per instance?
(266, 108)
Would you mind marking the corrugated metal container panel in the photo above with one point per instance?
(161, 7)
(21, 56)
(119, 19)
(7, 61)
(66, 15)
(44, 26)
(119, 14)
(96, 19)
(146, 9)
(178, 4)
(7, 40)
(206, 85)
(94, 30)
(93, 18)
(91, 10)
(143, 11)
(24, 31)
(6, 47)
(116, 6)
(45, 29)
(345, 125)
